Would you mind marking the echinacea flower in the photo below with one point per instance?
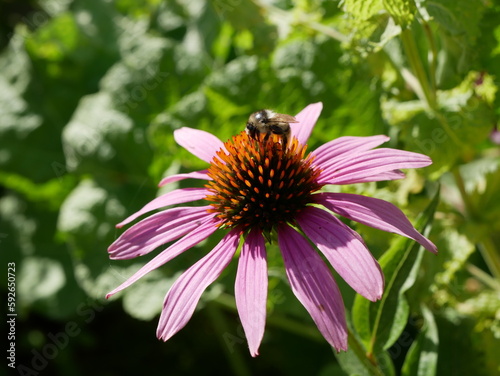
(256, 189)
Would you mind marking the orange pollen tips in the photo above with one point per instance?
(260, 183)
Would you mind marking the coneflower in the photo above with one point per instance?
(257, 190)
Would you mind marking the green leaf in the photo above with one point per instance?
(44, 271)
(86, 222)
(423, 354)
(457, 250)
(354, 361)
(98, 140)
(239, 80)
(459, 24)
(363, 10)
(144, 300)
(247, 19)
(39, 278)
(482, 184)
(457, 16)
(464, 119)
(466, 347)
(51, 193)
(371, 27)
(379, 324)
(401, 10)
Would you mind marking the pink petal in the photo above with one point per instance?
(202, 144)
(359, 166)
(373, 212)
(345, 250)
(179, 196)
(306, 121)
(194, 237)
(192, 175)
(383, 176)
(346, 146)
(313, 284)
(183, 296)
(251, 289)
(158, 229)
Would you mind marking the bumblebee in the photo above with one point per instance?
(267, 123)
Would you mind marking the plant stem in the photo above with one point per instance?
(468, 206)
(410, 47)
(368, 360)
(484, 277)
(433, 50)
(491, 256)
(233, 353)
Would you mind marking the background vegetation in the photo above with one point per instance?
(90, 92)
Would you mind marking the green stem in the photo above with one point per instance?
(327, 30)
(491, 256)
(433, 60)
(233, 353)
(368, 360)
(417, 67)
(484, 277)
(469, 207)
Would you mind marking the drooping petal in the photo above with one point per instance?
(345, 250)
(194, 237)
(373, 212)
(306, 121)
(192, 175)
(371, 163)
(314, 286)
(251, 289)
(157, 229)
(345, 147)
(182, 298)
(179, 196)
(202, 144)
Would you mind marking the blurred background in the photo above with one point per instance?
(90, 92)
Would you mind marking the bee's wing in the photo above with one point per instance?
(282, 118)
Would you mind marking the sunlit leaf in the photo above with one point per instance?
(380, 324)
(423, 355)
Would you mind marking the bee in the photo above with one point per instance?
(268, 122)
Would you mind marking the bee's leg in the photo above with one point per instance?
(284, 141)
(266, 138)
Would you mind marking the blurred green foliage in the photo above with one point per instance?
(90, 92)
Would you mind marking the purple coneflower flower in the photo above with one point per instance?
(255, 189)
